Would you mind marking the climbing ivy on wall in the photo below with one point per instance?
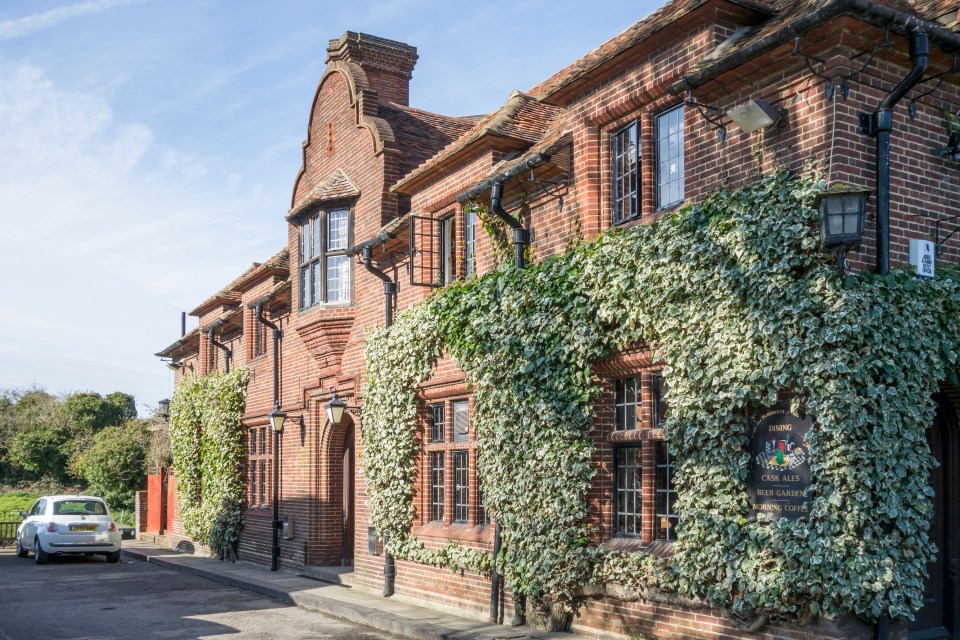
(206, 434)
(736, 298)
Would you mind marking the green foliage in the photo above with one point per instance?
(91, 412)
(737, 300)
(115, 463)
(17, 501)
(43, 451)
(206, 439)
(43, 436)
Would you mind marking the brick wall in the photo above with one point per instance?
(323, 346)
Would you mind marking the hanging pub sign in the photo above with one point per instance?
(779, 465)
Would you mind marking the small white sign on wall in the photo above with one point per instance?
(922, 257)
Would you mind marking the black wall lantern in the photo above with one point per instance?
(843, 208)
(335, 409)
(163, 409)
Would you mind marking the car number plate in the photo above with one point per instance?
(83, 527)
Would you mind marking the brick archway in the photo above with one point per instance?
(334, 538)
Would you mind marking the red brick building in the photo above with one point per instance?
(635, 128)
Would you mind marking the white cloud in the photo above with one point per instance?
(27, 25)
(106, 232)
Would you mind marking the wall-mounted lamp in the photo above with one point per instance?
(753, 115)
(335, 409)
(277, 418)
(163, 409)
(174, 366)
(843, 208)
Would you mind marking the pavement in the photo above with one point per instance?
(354, 604)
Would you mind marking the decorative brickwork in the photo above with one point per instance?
(367, 150)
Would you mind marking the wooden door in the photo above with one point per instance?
(937, 619)
(346, 539)
(154, 503)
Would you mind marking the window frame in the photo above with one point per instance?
(314, 229)
(637, 491)
(652, 460)
(438, 486)
(447, 242)
(633, 181)
(659, 205)
(462, 491)
(469, 242)
(258, 466)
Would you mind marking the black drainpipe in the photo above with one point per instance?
(520, 240)
(389, 286)
(389, 291)
(880, 124)
(520, 236)
(227, 353)
(276, 525)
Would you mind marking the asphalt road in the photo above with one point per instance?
(87, 598)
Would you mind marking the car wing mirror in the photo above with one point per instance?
(22, 514)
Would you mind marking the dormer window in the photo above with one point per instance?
(325, 270)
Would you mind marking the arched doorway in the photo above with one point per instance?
(347, 511)
(938, 618)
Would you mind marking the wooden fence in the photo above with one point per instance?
(9, 521)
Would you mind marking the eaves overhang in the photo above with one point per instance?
(864, 10)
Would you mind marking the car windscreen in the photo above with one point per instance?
(79, 507)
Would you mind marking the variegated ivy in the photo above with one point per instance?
(206, 439)
(739, 302)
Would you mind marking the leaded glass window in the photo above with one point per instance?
(437, 485)
(461, 486)
(325, 270)
(629, 516)
(626, 173)
(669, 157)
(436, 423)
(666, 515)
(626, 403)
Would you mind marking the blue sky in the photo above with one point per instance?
(148, 149)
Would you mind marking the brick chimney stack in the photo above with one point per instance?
(387, 63)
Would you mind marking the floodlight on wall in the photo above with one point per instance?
(175, 366)
(753, 115)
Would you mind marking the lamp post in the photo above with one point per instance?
(277, 417)
(842, 211)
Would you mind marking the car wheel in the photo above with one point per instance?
(21, 552)
(114, 556)
(39, 555)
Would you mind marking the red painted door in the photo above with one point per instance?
(168, 503)
(154, 503)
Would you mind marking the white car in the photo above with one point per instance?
(68, 524)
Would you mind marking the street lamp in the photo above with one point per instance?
(335, 409)
(163, 409)
(277, 418)
(843, 208)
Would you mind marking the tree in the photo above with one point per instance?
(125, 404)
(43, 451)
(115, 464)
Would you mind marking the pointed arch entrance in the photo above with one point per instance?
(938, 618)
(331, 546)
